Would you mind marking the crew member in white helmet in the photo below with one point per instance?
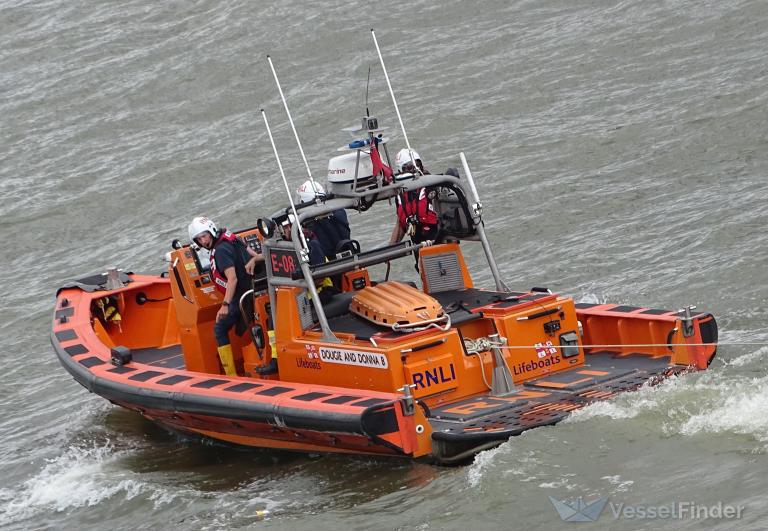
(330, 230)
(232, 263)
(416, 213)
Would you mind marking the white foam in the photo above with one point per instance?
(591, 298)
(604, 409)
(525, 461)
(81, 477)
(736, 334)
(704, 402)
(741, 408)
(707, 402)
(748, 358)
(482, 461)
(620, 486)
(628, 405)
(560, 484)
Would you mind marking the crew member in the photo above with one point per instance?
(232, 264)
(416, 214)
(325, 288)
(330, 230)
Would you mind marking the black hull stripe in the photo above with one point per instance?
(228, 408)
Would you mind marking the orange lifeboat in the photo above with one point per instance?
(507, 361)
(430, 368)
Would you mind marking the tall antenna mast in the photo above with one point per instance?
(315, 189)
(394, 101)
(367, 85)
(305, 250)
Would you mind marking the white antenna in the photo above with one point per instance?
(394, 101)
(315, 189)
(287, 189)
(478, 206)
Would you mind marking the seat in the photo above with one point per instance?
(338, 305)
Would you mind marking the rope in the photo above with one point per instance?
(483, 345)
(482, 368)
(647, 345)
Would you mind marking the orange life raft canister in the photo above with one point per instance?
(396, 305)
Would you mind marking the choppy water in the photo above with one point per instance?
(621, 151)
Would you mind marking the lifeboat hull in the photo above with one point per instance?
(246, 411)
(309, 417)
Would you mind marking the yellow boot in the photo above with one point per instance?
(227, 360)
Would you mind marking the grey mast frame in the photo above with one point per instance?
(353, 200)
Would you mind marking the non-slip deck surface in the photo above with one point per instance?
(549, 399)
(169, 357)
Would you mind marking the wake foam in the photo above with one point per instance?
(741, 409)
(617, 483)
(591, 298)
(709, 402)
(483, 461)
(526, 461)
(629, 405)
(749, 358)
(81, 477)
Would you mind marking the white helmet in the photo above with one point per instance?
(404, 157)
(307, 194)
(200, 225)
